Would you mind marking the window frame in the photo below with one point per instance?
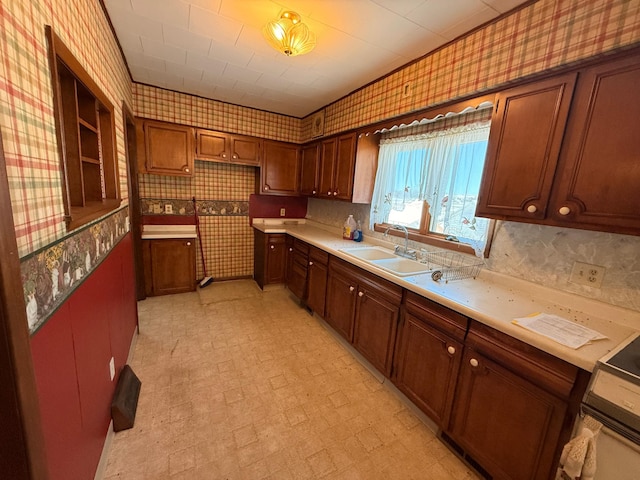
(76, 215)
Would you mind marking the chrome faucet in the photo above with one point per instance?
(406, 252)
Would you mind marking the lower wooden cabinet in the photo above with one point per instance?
(514, 406)
(428, 355)
(298, 257)
(169, 265)
(365, 310)
(317, 280)
(269, 257)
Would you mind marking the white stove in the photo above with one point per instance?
(613, 398)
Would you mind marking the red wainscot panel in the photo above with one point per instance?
(71, 360)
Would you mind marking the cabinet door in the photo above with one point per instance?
(341, 303)
(173, 266)
(344, 167)
(276, 257)
(327, 161)
(260, 247)
(317, 281)
(211, 146)
(280, 168)
(297, 279)
(599, 176)
(245, 150)
(168, 148)
(524, 144)
(507, 424)
(310, 169)
(427, 364)
(375, 325)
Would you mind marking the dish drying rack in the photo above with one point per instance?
(450, 266)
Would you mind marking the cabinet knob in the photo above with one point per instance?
(186, 169)
(266, 187)
(451, 349)
(291, 249)
(335, 193)
(473, 362)
(235, 156)
(360, 294)
(564, 211)
(188, 244)
(532, 209)
(351, 289)
(272, 247)
(329, 193)
(310, 263)
(224, 155)
(313, 192)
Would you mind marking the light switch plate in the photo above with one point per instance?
(282, 212)
(168, 208)
(587, 274)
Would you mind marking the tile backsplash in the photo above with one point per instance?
(539, 254)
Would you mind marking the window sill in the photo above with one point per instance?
(80, 216)
(435, 240)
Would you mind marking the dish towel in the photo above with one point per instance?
(578, 459)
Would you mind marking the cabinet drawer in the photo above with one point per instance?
(367, 280)
(318, 256)
(548, 372)
(300, 246)
(444, 319)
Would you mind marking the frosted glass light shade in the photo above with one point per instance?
(289, 35)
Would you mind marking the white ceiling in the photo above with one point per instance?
(215, 48)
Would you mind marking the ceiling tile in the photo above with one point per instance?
(166, 52)
(469, 23)
(185, 71)
(236, 55)
(185, 39)
(402, 8)
(169, 11)
(125, 21)
(219, 80)
(503, 6)
(146, 61)
(241, 73)
(211, 65)
(209, 24)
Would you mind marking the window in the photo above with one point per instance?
(429, 183)
(85, 131)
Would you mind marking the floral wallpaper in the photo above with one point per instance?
(51, 274)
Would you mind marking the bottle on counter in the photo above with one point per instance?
(357, 235)
(349, 228)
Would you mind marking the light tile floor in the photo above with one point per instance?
(259, 389)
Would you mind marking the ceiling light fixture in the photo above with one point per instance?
(289, 35)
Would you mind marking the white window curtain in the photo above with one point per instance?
(443, 168)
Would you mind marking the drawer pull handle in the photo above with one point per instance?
(564, 211)
(451, 349)
(532, 209)
(473, 362)
(188, 244)
(351, 289)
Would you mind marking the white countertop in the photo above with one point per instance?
(492, 298)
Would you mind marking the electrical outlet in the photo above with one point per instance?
(168, 208)
(112, 368)
(157, 208)
(587, 274)
(407, 90)
(282, 212)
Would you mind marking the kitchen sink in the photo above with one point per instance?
(387, 260)
(369, 253)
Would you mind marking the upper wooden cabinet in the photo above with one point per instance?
(524, 144)
(599, 171)
(310, 170)
(168, 148)
(337, 167)
(341, 167)
(280, 170)
(228, 148)
(566, 158)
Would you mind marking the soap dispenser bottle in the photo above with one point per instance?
(357, 235)
(349, 228)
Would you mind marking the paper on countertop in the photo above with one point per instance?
(559, 329)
